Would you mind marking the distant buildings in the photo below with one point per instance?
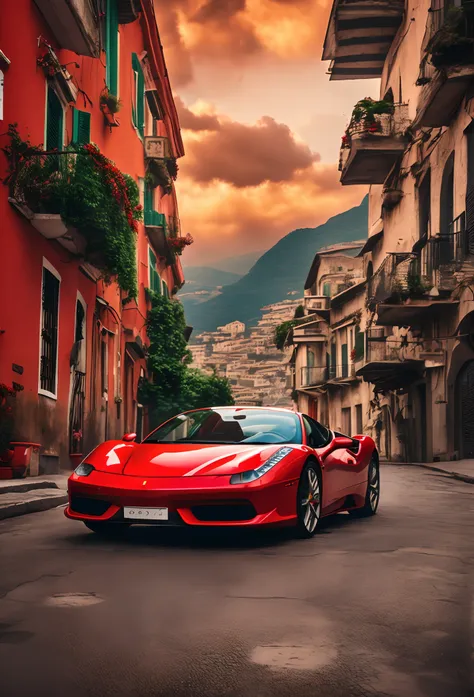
(256, 369)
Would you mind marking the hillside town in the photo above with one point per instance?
(248, 358)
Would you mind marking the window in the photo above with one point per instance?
(424, 199)
(447, 197)
(148, 204)
(138, 106)
(359, 344)
(345, 361)
(112, 46)
(359, 424)
(327, 290)
(155, 282)
(346, 421)
(49, 331)
(166, 292)
(317, 435)
(54, 121)
(81, 127)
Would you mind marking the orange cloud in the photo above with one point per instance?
(237, 30)
(243, 155)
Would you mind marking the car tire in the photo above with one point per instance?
(309, 500)
(107, 529)
(372, 496)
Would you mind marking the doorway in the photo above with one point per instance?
(465, 400)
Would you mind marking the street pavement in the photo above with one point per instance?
(379, 607)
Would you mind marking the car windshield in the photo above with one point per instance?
(228, 426)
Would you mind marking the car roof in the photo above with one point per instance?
(243, 406)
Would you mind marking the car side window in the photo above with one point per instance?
(317, 435)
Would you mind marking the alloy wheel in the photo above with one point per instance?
(311, 500)
(374, 486)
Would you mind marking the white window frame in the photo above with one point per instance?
(46, 393)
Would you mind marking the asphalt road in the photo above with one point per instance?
(367, 607)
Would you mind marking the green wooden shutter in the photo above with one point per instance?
(359, 344)
(327, 290)
(111, 46)
(148, 205)
(345, 361)
(165, 290)
(333, 371)
(81, 127)
(138, 109)
(54, 121)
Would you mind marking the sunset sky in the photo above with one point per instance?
(261, 122)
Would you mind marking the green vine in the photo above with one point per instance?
(174, 386)
(89, 193)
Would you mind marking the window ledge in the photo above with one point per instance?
(49, 395)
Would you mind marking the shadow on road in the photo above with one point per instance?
(206, 538)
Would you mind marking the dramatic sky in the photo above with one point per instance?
(261, 122)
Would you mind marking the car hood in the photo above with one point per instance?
(180, 460)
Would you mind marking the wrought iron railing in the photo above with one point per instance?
(311, 375)
(392, 277)
(382, 125)
(397, 348)
(445, 250)
(437, 16)
(38, 178)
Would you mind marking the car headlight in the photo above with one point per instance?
(251, 475)
(84, 470)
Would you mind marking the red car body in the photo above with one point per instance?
(192, 481)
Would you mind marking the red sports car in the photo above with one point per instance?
(229, 466)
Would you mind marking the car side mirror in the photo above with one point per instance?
(341, 443)
(129, 437)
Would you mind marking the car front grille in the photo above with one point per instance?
(231, 512)
(88, 506)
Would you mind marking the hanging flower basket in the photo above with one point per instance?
(179, 243)
(110, 118)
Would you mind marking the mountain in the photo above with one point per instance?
(207, 278)
(240, 264)
(280, 271)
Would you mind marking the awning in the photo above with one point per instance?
(371, 243)
(391, 375)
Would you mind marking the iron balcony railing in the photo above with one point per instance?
(311, 375)
(445, 251)
(437, 16)
(392, 348)
(392, 277)
(385, 125)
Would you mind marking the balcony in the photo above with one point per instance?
(313, 332)
(443, 256)
(312, 376)
(400, 293)
(446, 68)
(156, 148)
(359, 36)
(371, 147)
(316, 303)
(73, 23)
(391, 363)
(36, 191)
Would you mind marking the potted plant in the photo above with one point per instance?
(451, 44)
(110, 105)
(366, 111)
(179, 243)
(157, 174)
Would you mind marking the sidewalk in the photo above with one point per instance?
(33, 494)
(457, 469)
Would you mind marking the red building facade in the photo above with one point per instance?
(69, 338)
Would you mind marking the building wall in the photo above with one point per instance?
(23, 248)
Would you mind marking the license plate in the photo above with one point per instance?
(145, 513)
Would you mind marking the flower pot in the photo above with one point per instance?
(25, 455)
(110, 118)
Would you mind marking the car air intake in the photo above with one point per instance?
(88, 506)
(231, 512)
